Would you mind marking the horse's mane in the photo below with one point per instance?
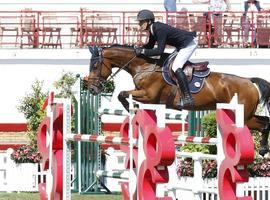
(121, 46)
(158, 61)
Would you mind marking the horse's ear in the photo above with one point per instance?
(91, 49)
(95, 50)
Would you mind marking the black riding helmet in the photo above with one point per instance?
(145, 15)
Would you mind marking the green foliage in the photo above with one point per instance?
(185, 166)
(108, 87)
(190, 147)
(64, 89)
(210, 130)
(256, 139)
(30, 106)
(209, 125)
(64, 85)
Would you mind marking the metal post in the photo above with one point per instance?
(66, 150)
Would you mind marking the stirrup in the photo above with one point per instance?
(184, 102)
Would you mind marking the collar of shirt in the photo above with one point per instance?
(151, 29)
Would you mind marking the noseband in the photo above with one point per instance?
(97, 58)
(100, 60)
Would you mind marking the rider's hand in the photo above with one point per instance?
(138, 50)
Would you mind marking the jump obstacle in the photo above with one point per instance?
(150, 144)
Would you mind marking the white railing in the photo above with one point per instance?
(18, 177)
(257, 187)
(23, 177)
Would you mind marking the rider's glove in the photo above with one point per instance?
(138, 50)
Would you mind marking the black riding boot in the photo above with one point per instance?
(187, 99)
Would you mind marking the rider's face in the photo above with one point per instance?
(143, 25)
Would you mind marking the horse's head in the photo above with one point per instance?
(102, 62)
(100, 70)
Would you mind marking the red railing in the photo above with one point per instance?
(69, 29)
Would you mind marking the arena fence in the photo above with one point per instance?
(78, 29)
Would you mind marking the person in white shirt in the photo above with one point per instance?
(251, 7)
(217, 7)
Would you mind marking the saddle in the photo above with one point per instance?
(195, 73)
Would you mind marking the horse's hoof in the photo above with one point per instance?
(267, 156)
(263, 150)
(135, 105)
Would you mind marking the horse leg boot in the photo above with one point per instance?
(187, 99)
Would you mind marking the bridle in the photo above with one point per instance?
(100, 60)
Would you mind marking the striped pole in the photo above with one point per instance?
(195, 155)
(100, 139)
(125, 141)
(173, 116)
(107, 111)
(195, 140)
(121, 174)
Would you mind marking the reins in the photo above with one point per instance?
(100, 59)
(121, 68)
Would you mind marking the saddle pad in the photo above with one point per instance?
(196, 83)
(166, 69)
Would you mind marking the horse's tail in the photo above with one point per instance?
(264, 87)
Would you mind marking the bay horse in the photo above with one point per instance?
(150, 86)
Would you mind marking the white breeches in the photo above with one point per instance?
(184, 54)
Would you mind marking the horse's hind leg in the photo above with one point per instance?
(261, 124)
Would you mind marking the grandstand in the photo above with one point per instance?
(77, 24)
(112, 5)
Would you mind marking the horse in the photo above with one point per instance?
(150, 86)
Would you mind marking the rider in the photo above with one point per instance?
(185, 43)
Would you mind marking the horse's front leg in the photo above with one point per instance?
(122, 97)
(138, 95)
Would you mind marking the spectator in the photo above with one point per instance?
(170, 5)
(251, 7)
(182, 19)
(217, 7)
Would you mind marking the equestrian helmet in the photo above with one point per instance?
(145, 15)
